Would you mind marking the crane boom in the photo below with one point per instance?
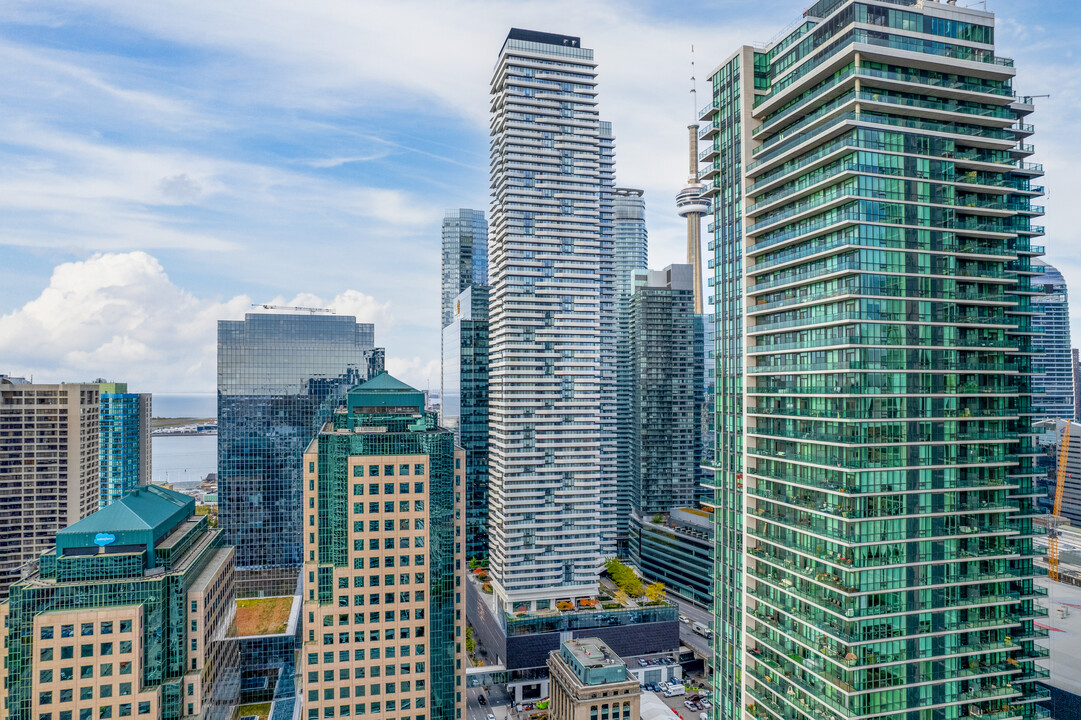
(1056, 512)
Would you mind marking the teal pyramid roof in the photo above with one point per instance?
(384, 382)
(148, 509)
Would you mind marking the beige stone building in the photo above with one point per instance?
(49, 467)
(588, 681)
(383, 633)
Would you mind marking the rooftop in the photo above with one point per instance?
(263, 616)
(593, 662)
(147, 510)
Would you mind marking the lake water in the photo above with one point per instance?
(184, 460)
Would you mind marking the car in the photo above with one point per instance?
(481, 699)
(642, 662)
(474, 682)
(491, 716)
(684, 619)
(706, 704)
(689, 704)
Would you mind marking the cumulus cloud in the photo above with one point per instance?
(416, 371)
(119, 316)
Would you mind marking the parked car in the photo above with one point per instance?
(689, 704)
(706, 705)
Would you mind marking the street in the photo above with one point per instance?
(498, 703)
(688, 636)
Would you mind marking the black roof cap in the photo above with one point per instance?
(543, 37)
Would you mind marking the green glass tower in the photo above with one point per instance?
(874, 496)
(124, 435)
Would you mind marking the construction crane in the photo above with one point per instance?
(1056, 512)
(309, 310)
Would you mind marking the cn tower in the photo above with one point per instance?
(692, 205)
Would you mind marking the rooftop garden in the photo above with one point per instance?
(263, 616)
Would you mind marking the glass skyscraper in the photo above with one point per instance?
(552, 326)
(1054, 363)
(465, 256)
(279, 377)
(872, 243)
(464, 409)
(660, 468)
(124, 436)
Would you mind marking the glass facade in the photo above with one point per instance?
(465, 256)
(279, 377)
(1053, 363)
(464, 407)
(124, 435)
(382, 590)
(872, 263)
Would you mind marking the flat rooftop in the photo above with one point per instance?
(592, 652)
(263, 616)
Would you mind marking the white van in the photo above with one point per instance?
(675, 689)
(701, 628)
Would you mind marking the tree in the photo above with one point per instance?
(620, 597)
(655, 592)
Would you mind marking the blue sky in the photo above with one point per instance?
(164, 165)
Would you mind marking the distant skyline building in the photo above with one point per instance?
(279, 378)
(49, 467)
(465, 255)
(631, 237)
(385, 622)
(464, 392)
(1054, 364)
(552, 400)
(1075, 368)
(125, 617)
(873, 232)
(631, 254)
(125, 442)
(660, 466)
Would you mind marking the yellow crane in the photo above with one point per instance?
(1056, 513)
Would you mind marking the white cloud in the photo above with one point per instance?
(416, 371)
(119, 316)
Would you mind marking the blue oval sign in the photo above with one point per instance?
(103, 539)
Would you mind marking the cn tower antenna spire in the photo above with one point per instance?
(690, 203)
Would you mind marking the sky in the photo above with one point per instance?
(167, 164)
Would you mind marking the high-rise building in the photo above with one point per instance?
(465, 256)
(279, 378)
(631, 238)
(874, 492)
(1075, 369)
(125, 447)
(1054, 363)
(126, 617)
(49, 467)
(465, 407)
(631, 253)
(383, 561)
(666, 441)
(551, 403)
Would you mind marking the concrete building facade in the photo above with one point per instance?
(384, 558)
(551, 400)
(49, 467)
(590, 682)
(126, 617)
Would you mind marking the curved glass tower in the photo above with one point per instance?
(872, 236)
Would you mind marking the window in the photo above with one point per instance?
(358, 471)
(86, 629)
(125, 626)
(46, 653)
(47, 633)
(124, 688)
(86, 650)
(107, 628)
(66, 695)
(124, 710)
(67, 652)
(388, 470)
(144, 708)
(388, 488)
(125, 668)
(125, 646)
(418, 505)
(418, 469)
(373, 470)
(86, 693)
(107, 648)
(45, 698)
(86, 671)
(67, 631)
(106, 669)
